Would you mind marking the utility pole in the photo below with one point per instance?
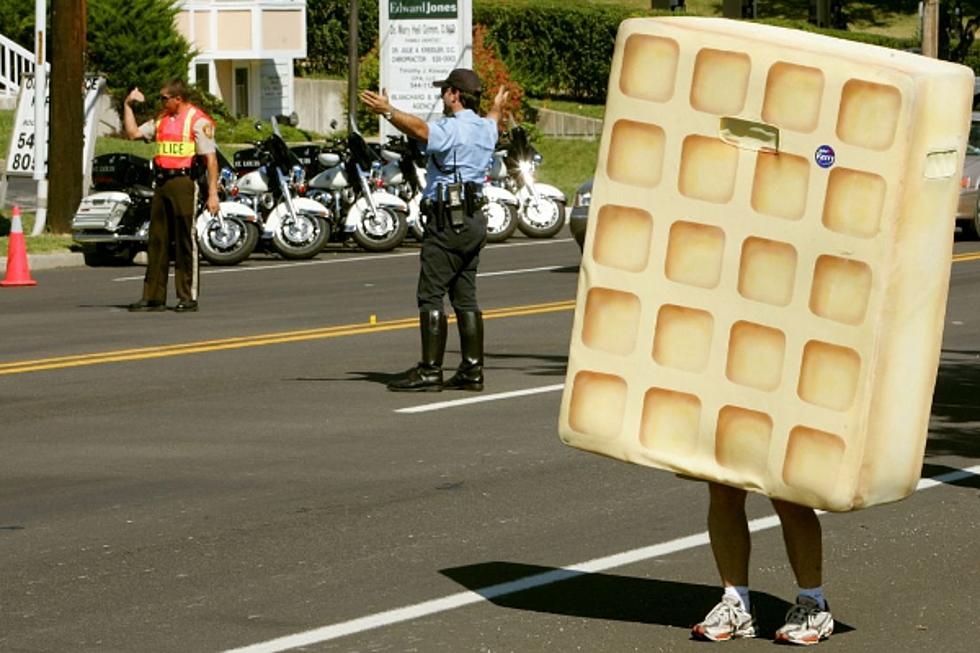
(930, 28)
(352, 65)
(65, 165)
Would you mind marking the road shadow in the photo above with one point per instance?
(541, 366)
(951, 476)
(558, 591)
(954, 428)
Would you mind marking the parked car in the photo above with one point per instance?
(578, 220)
(968, 210)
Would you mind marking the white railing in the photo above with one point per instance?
(15, 61)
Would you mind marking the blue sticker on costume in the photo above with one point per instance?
(825, 156)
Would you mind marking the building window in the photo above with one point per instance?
(202, 76)
(241, 91)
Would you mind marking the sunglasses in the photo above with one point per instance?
(164, 98)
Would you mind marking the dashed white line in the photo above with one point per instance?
(479, 399)
(460, 599)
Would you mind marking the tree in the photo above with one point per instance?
(958, 24)
(136, 43)
(326, 34)
(17, 22)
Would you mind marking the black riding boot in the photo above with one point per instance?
(427, 375)
(469, 376)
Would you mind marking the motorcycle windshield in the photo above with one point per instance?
(359, 151)
(282, 156)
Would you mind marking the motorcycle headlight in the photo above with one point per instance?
(268, 201)
(526, 167)
(536, 158)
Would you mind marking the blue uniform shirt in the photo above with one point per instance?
(463, 142)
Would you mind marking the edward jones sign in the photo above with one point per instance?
(421, 9)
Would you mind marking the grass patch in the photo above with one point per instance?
(43, 244)
(6, 129)
(567, 162)
(578, 108)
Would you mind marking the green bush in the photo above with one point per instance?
(572, 42)
(327, 35)
(136, 43)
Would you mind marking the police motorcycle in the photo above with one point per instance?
(112, 224)
(541, 211)
(502, 205)
(231, 235)
(272, 185)
(403, 175)
(351, 185)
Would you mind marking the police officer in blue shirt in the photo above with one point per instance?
(459, 146)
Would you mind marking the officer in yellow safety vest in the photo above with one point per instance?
(182, 131)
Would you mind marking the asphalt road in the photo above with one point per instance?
(201, 482)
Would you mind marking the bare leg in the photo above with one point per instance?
(804, 542)
(729, 532)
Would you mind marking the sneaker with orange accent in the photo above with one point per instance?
(727, 620)
(806, 623)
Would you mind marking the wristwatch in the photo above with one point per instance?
(388, 115)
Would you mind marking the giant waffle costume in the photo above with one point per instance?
(764, 277)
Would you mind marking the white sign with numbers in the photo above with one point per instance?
(20, 160)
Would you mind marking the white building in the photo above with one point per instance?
(245, 51)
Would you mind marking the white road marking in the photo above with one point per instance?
(353, 259)
(460, 599)
(479, 399)
(500, 273)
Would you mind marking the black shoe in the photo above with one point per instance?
(186, 306)
(471, 380)
(143, 306)
(419, 379)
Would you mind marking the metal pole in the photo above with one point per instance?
(40, 117)
(930, 28)
(352, 64)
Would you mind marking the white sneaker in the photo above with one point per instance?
(806, 623)
(727, 620)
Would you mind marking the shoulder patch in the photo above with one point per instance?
(208, 130)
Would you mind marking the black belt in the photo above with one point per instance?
(163, 174)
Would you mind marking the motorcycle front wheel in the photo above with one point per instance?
(229, 241)
(381, 231)
(302, 237)
(541, 219)
(501, 220)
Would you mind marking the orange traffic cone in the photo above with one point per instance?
(18, 273)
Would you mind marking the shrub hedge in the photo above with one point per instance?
(573, 41)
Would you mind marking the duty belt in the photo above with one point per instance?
(164, 174)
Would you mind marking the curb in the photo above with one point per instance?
(49, 261)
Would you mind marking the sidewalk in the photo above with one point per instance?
(48, 261)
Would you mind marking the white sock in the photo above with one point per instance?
(815, 593)
(740, 592)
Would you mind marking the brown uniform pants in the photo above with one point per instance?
(172, 220)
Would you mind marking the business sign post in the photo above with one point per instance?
(421, 42)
